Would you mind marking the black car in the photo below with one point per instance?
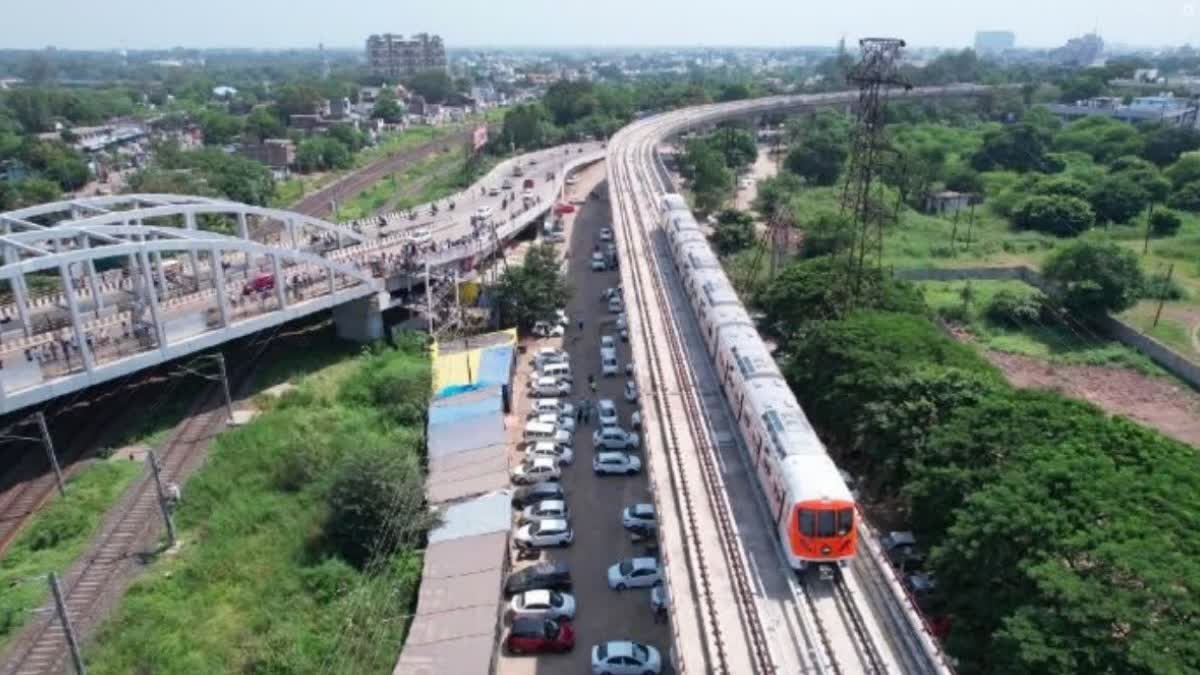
(532, 494)
(552, 576)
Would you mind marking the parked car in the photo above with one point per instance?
(608, 363)
(532, 494)
(631, 391)
(635, 420)
(616, 463)
(542, 604)
(549, 386)
(598, 262)
(560, 315)
(605, 234)
(537, 636)
(547, 329)
(548, 355)
(543, 533)
(615, 438)
(547, 509)
(608, 342)
(561, 421)
(536, 470)
(634, 573)
(550, 405)
(561, 453)
(606, 411)
(625, 657)
(555, 576)
(639, 518)
(615, 306)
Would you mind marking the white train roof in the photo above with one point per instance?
(682, 221)
(727, 316)
(713, 286)
(698, 254)
(742, 346)
(815, 478)
(690, 236)
(674, 201)
(786, 428)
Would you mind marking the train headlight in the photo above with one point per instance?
(826, 550)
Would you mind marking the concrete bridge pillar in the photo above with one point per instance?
(359, 320)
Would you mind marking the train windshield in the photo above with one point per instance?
(826, 523)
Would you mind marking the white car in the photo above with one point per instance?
(558, 419)
(548, 355)
(615, 438)
(616, 463)
(483, 212)
(625, 657)
(639, 517)
(608, 363)
(615, 306)
(631, 392)
(610, 293)
(536, 470)
(547, 329)
(542, 604)
(605, 234)
(560, 452)
(622, 324)
(606, 410)
(540, 406)
(635, 420)
(634, 573)
(598, 263)
(554, 532)
(608, 342)
(547, 509)
(561, 317)
(549, 386)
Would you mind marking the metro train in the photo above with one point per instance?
(811, 505)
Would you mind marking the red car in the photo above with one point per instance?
(260, 283)
(536, 636)
(562, 209)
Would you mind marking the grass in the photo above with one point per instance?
(255, 588)
(1053, 342)
(405, 189)
(55, 537)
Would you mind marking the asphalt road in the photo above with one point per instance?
(595, 502)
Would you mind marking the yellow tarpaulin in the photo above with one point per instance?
(455, 363)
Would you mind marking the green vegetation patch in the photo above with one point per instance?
(268, 579)
(55, 537)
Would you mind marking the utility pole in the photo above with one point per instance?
(1162, 298)
(1149, 219)
(970, 224)
(49, 445)
(954, 231)
(162, 497)
(429, 297)
(225, 384)
(72, 640)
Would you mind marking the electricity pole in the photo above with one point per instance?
(49, 446)
(72, 640)
(162, 497)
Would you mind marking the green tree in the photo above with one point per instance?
(435, 85)
(1185, 170)
(71, 173)
(1016, 147)
(1163, 144)
(818, 159)
(219, 128)
(712, 182)
(736, 146)
(734, 232)
(35, 190)
(533, 290)
(263, 122)
(297, 98)
(1117, 199)
(569, 101)
(388, 109)
(1186, 197)
(376, 507)
(322, 153)
(827, 231)
(1165, 223)
(1095, 278)
(1104, 138)
(525, 126)
(1062, 186)
(347, 135)
(1059, 215)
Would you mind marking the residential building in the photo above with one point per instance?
(992, 42)
(392, 56)
(1163, 108)
(947, 201)
(277, 153)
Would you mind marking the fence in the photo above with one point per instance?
(1174, 362)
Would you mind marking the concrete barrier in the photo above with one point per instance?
(1175, 363)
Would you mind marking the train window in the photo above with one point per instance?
(825, 523)
(807, 527)
(845, 521)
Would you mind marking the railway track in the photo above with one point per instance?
(683, 428)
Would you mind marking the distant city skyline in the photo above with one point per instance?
(273, 24)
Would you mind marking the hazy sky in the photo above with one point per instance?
(291, 23)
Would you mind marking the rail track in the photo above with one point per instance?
(683, 429)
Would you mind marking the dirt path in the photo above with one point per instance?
(1155, 402)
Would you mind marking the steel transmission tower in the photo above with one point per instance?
(874, 74)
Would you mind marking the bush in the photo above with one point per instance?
(376, 507)
(1015, 309)
(1186, 197)
(1060, 216)
(398, 386)
(1094, 278)
(1156, 288)
(1165, 223)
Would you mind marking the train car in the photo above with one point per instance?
(673, 202)
(812, 507)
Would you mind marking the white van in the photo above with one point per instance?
(541, 431)
(550, 405)
(608, 362)
(560, 370)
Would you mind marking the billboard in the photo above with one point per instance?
(481, 136)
